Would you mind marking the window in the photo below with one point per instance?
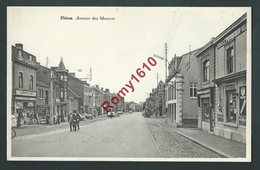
(40, 93)
(193, 90)
(31, 82)
(46, 97)
(65, 78)
(19, 54)
(20, 80)
(231, 111)
(206, 71)
(230, 60)
(61, 76)
(61, 92)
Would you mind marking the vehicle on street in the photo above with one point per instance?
(88, 115)
(111, 113)
(119, 111)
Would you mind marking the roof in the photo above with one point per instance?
(38, 83)
(61, 67)
(73, 93)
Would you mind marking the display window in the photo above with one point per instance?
(231, 112)
(205, 109)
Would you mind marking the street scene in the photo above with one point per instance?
(127, 136)
(146, 84)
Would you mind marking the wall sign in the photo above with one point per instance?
(25, 93)
(232, 36)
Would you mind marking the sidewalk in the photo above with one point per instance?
(225, 147)
(36, 128)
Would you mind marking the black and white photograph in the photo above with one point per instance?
(149, 84)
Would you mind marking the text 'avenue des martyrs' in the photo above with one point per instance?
(86, 18)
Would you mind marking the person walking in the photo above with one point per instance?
(78, 119)
(75, 118)
(70, 120)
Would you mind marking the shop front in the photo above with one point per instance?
(24, 102)
(206, 115)
(231, 111)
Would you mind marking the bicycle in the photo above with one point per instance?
(13, 133)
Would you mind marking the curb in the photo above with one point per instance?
(205, 146)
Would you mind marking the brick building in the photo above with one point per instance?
(80, 88)
(24, 67)
(46, 76)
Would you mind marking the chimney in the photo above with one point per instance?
(97, 86)
(19, 45)
(212, 38)
(73, 74)
(102, 89)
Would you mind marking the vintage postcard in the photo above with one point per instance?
(129, 84)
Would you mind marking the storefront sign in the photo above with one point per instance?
(25, 93)
(232, 36)
(24, 98)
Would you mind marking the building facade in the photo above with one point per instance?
(81, 89)
(182, 91)
(62, 78)
(222, 106)
(230, 100)
(24, 67)
(49, 77)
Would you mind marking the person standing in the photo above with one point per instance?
(58, 118)
(70, 120)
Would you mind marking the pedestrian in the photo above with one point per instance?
(58, 119)
(78, 119)
(70, 120)
(75, 118)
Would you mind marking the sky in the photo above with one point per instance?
(114, 49)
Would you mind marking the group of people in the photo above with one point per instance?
(73, 120)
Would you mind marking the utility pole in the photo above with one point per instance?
(166, 51)
(51, 96)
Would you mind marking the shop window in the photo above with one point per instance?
(231, 112)
(230, 60)
(206, 71)
(193, 90)
(205, 109)
(20, 80)
(31, 82)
